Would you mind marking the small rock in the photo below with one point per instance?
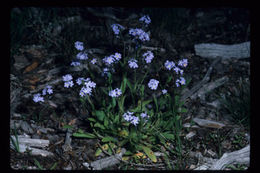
(86, 164)
(68, 167)
(16, 115)
(26, 127)
(192, 166)
(53, 138)
(190, 135)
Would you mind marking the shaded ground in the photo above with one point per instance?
(46, 47)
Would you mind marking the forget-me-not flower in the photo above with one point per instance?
(133, 63)
(153, 84)
(79, 45)
(38, 98)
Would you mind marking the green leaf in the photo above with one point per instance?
(84, 135)
(98, 152)
(123, 85)
(113, 102)
(128, 153)
(169, 79)
(129, 85)
(106, 123)
(100, 115)
(183, 110)
(149, 153)
(92, 119)
(99, 125)
(168, 135)
(141, 105)
(109, 139)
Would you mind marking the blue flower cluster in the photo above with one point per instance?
(116, 28)
(129, 117)
(87, 88)
(133, 63)
(79, 45)
(181, 63)
(153, 84)
(115, 93)
(68, 80)
(146, 19)
(38, 98)
(112, 58)
(139, 34)
(148, 56)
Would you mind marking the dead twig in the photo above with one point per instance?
(205, 79)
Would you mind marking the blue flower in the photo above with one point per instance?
(82, 56)
(177, 70)
(87, 88)
(181, 81)
(164, 91)
(153, 84)
(79, 45)
(67, 77)
(74, 63)
(146, 19)
(135, 120)
(129, 117)
(115, 93)
(183, 62)
(68, 84)
(148, 56)
(169, 64)
(139, 33)
(116, 28)
(144, 115)
(117, 56)
(109, 60)
(94, 61)
(133, 63)
(38, 98)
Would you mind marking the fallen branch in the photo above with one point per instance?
(201, 83)
(209, 87)
(211, 50)
(208, 123)
(41, 143)
(240, 156)
(67, 147)
(108, 161)
(26, 143)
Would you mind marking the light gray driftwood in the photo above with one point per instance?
(205, 79)
(26, 143)
(241, 156)
(209, 87)
(108, 161)
(41, 143)
(208, 123)
(212, 50)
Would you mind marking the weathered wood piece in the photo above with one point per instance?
(205, 79)
(41, 143)
(208, 123)
(241, 156)
(209, 87)
(212, 50)
(108, 161)
(67, 145)
(35, 151)
(26, 143)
